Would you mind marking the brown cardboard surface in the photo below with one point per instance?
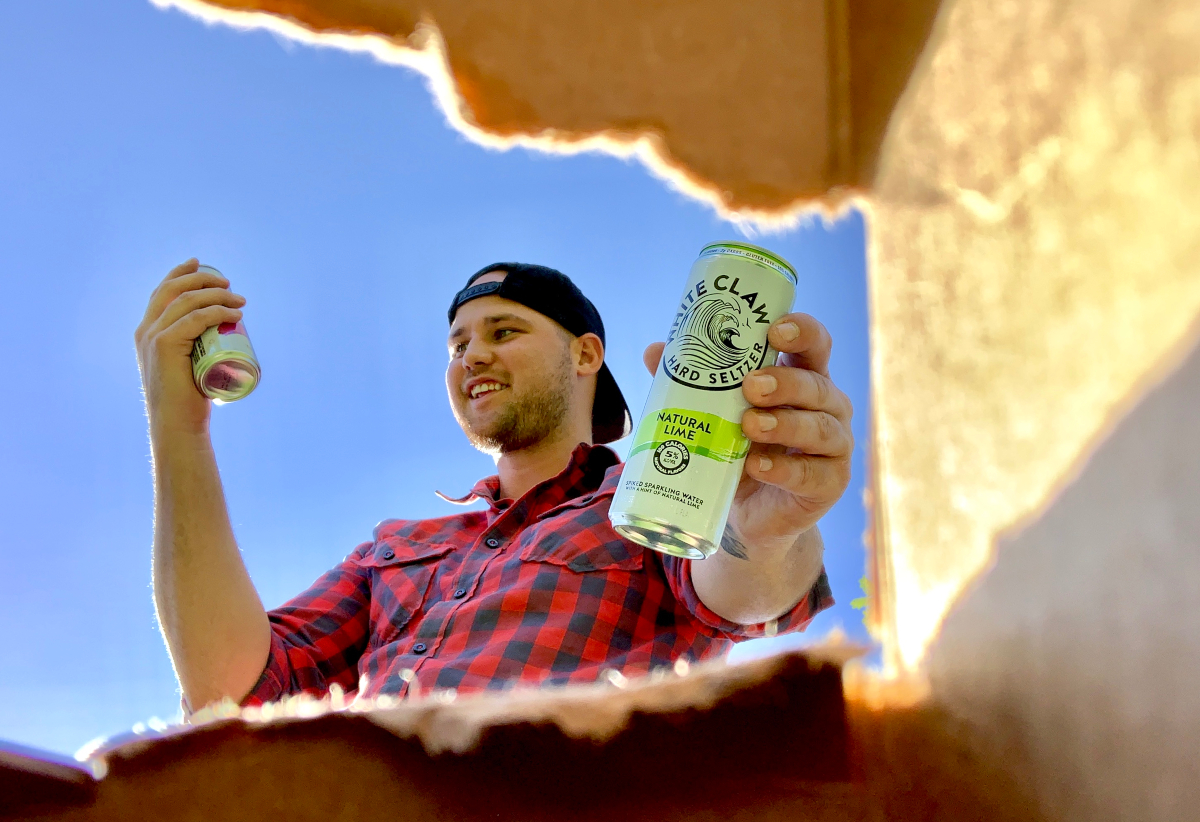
(31, 779)
(760, 106)
(778, 739)
(703, 743)
(1034, 266)
(1077, 656)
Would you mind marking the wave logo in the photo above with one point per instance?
(717, 339)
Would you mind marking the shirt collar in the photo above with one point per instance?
(584, 474)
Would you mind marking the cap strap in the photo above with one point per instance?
(472, 291)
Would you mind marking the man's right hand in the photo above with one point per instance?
(185, 303)
(213, 620)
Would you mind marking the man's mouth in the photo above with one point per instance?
(480, 389)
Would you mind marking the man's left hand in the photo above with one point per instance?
(799, 428)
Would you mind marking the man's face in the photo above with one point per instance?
(510, 377)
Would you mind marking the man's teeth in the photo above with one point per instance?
(484, 387)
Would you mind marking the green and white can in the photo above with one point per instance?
(688, 451)
(224, 367)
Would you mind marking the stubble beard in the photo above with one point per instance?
(524, 422)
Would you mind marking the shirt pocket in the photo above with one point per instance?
(401, 570)
(584, 542)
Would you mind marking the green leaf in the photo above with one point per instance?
(860, 603)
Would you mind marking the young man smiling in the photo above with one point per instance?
(536, 587)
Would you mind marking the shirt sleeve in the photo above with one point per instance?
(318, 636)
(679, 576)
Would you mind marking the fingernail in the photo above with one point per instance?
(789, 331)
(766, 421)
(764, 463)
(763, 384)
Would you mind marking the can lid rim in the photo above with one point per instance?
(784, 267)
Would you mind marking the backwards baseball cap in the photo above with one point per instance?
(552, 294)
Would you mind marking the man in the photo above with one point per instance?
(537, 588)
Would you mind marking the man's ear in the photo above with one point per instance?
(588, 354)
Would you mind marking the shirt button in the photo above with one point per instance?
(460, 593)
(419, 648)
(492, 542)
(389, 554)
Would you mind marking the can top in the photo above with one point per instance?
(752, 252)
(203, 267)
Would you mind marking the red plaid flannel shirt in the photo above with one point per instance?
(540, 590)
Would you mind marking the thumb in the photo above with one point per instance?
(652, 355)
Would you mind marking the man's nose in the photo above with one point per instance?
(477, 355)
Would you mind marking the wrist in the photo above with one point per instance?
(180, 413)
(755, 547)
(170, 437)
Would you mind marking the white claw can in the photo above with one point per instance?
(688, 450)
(224, 366)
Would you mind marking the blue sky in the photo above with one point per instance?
(335, 197)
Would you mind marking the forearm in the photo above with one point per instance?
(213, 621)
(764, 582)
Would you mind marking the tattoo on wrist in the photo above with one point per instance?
(732, 545)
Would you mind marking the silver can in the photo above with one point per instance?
(224, 366)
(688, 451)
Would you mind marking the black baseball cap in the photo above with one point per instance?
(551, 293)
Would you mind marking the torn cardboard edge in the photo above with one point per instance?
(791, 736)
(449, 723)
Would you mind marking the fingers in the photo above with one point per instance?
(812, 432)
(652, 355)
(186, 267)
(817, 481)
(192, 301)
(796, 387)
(192, 324)
(799, 424)
(803, 341)
(182, 278)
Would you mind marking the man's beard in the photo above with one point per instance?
(526, 421)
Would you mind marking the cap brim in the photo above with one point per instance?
(610, 414)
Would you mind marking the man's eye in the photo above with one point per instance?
(501, 333)
(458, 348)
